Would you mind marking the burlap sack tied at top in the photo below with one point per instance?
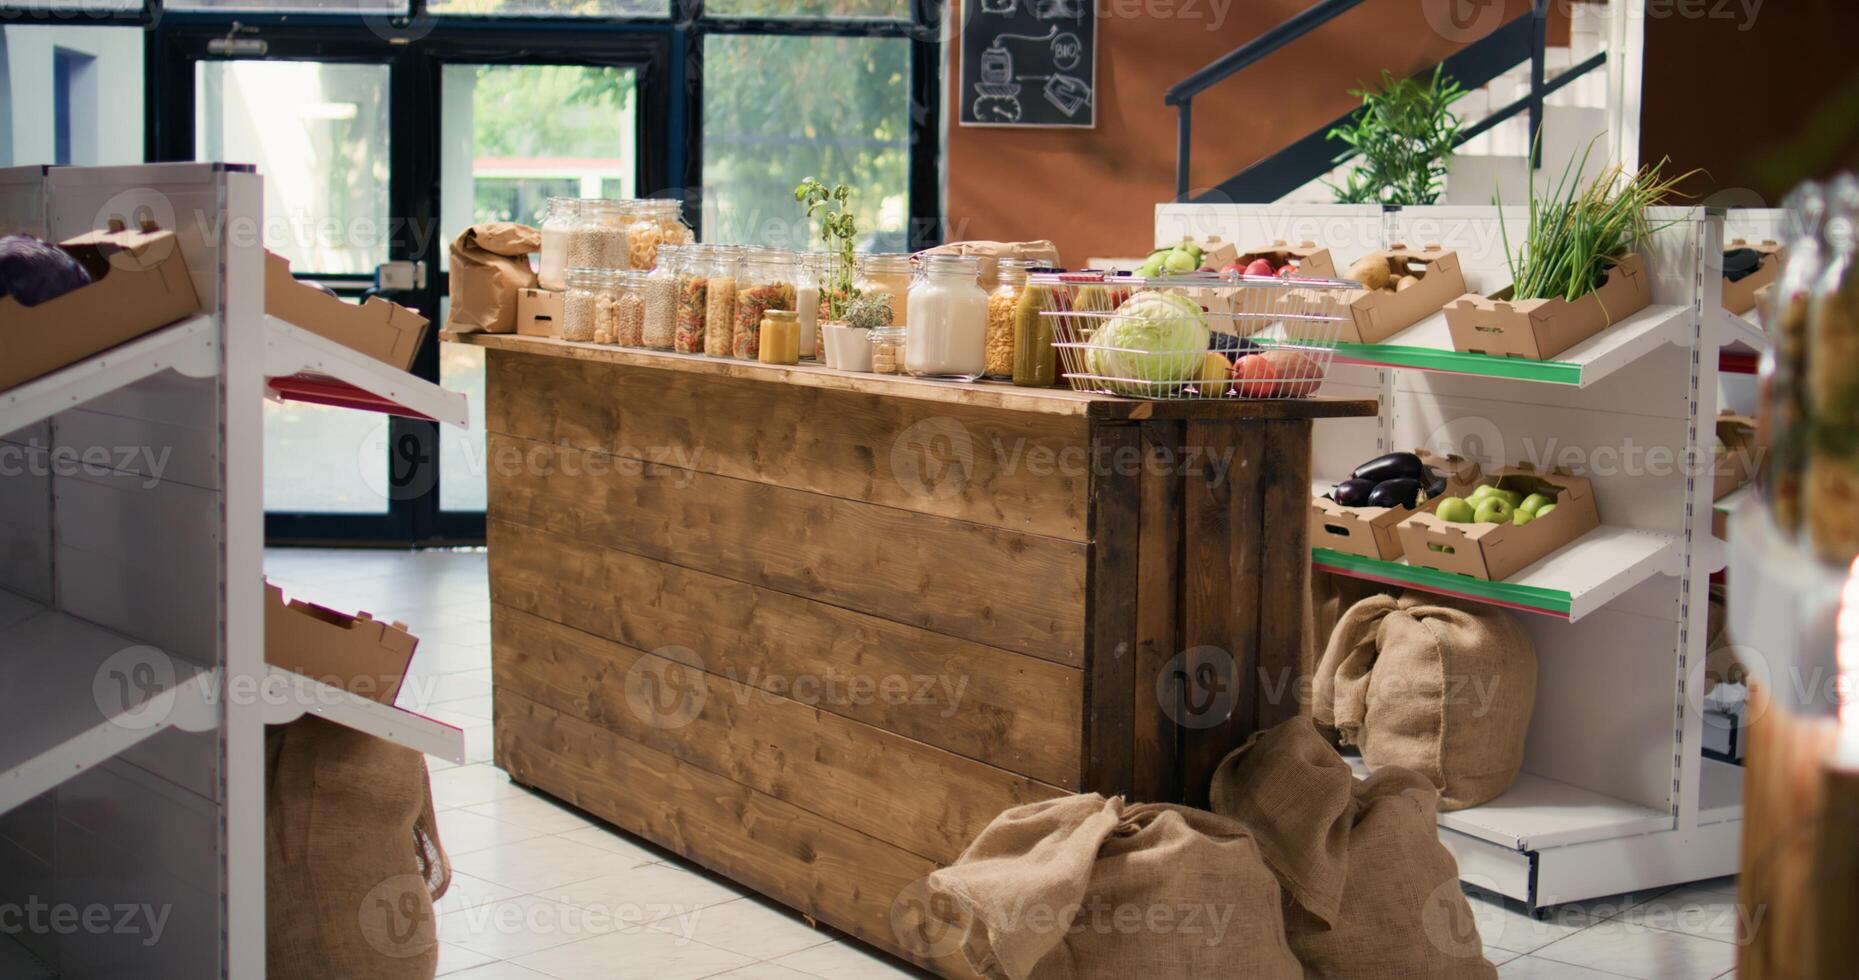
(353, 861)
(1091, 887)
(1436, 685)
(1373, 894)
(989, 254)
(490, 263)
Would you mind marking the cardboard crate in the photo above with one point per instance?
(387, 332)
(1733, 461)
(1377, 314)
(1496, 551)
(1216, 253)
(1539, 329)
(1740, 297)
(539, 312)
(1370, 531)
(358, 653)
(1311, 260)
(139, 283)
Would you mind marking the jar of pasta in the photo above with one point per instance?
(689, 266)
(581, 304)
(766, 282)
(1003, 312)
(552, 272)
(597, 238)
(661, 299)
(720, 300)
(887, 273)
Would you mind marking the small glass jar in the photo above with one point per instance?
(552, 271)
(597, 238)
(887, 273)
(581, 304)
(661, 299)
(808, 271)
(627, 299)
(690, 264)
(766, 282)
(720, 300)
(780, 338)
(887, 350)
(1003, 314)
(946, 336)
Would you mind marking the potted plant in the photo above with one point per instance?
(839, 230)
(863, 341)
(1401, 138)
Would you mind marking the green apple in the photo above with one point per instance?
(1181, 261)
(1493, 509)
(1520, 517)
(1535, 502)
(1482, 491)
(1151, 268)
(1544, 510)
(1455, 510)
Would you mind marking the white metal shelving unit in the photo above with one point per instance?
(133, 687)
(1615, 795)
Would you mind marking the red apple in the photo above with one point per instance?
(1299, 375)
(1254, 376)
(1259, 267)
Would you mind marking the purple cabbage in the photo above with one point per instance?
(32, 271)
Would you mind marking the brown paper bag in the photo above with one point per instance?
(490, 262)
(990, 253)
(1088, 887)
(1373, 893)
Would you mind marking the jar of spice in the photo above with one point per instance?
(766, 282)
(1003, 309)
(720, 300)
(946, 336)
(690, 265)
(560, 216)
(661, 299)
(780, 338)
(887, 273)
(597, 238)
(581, 304)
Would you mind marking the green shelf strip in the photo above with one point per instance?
(1460, 362)
(1553, 601)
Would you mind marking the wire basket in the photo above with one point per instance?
(1291, 324)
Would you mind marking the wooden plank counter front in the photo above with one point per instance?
(814, 630)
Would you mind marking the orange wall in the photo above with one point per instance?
(1094, 191)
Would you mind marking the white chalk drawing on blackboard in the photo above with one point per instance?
(1059, 9)
(1003, 7)
(1067, 93)
(1066, 50)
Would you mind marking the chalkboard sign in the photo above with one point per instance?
(1029, 63)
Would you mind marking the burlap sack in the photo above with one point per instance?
(1330, 597)
(1436, 685)
(1088, 887)
(1372, 892)
(490, 263)
(352, 857)
(990, 253)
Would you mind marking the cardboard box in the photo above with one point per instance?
(358, 653)
(139, 283)
(538, 312)
(1497, 551)
(1311, 261)
(1370, 531)
(387, 332)
(1377, 314)
(1539, 329)
(1735, 456)
(1740, 297)
(1216, 253)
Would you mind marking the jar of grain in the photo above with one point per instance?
(690, 264)
(947, 333)
(661, 299)
(627, 297)
(556, 221)
(720, 300)
(581, 304)
(765, 283)
(597, 238)
(887, 273)
(808, 271)
(1003, 305)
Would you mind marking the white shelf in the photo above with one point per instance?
(63, 707)
(289, 696)
(190, 347)
(1720, 798)
(1427, 346)
(1737, 332)
(1537, 813)
(293, 351)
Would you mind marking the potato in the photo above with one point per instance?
(1406, 283)
(1371, 271)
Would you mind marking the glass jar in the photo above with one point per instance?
(1003, 314)
(552, 272)
(1035, 360)
(946, 335)
(720, 300)
(887, 273)
(1782, 416)
(597, 238)
(765, 282)
(780, 338)
(627, 301)
(661, 299)
(808, 271)
(581, 304)
(1830, 389)
(887, 350)
(690, 264)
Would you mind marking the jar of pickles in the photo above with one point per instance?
(766, 282)
(689, 267)
(553, 263)
(887, 273)
(581, 304)
(661, 299)
(597, 237)
(1003, 313)
(720, 300)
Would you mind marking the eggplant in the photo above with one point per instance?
(1403, 492)
(1740, 263)
(1394, 466)
(1352, 493)
(1436, 483)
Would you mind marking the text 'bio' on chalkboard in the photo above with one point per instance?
(1029, 63)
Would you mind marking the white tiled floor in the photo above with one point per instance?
(541, 891)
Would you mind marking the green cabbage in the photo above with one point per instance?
(1170, 332)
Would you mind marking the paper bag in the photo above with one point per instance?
(490, 263)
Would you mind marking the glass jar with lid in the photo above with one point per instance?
(946, 332)
(661, 298)
(720, 300)
(1035, 360)
(765, 282)
(1003, 313)
(1830, 388)
(597, 238)
(690, 264)
(780, 338)
(887, 349)
(581, 304)
(809, 268)
(627, 300)
(1781, 420)
(887, 273)
(552, 272)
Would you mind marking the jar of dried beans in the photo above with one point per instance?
(765, 283)
(581, 304)
(628, 299)
(661, 299)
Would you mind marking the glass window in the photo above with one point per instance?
(293, 6)
(553, 8)
(778, 109)
(319, 134)
(324, 460)
(808, 8)
(72, 91)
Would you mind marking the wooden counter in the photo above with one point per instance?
(814, 630)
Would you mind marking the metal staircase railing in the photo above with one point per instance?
(1524, 38)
